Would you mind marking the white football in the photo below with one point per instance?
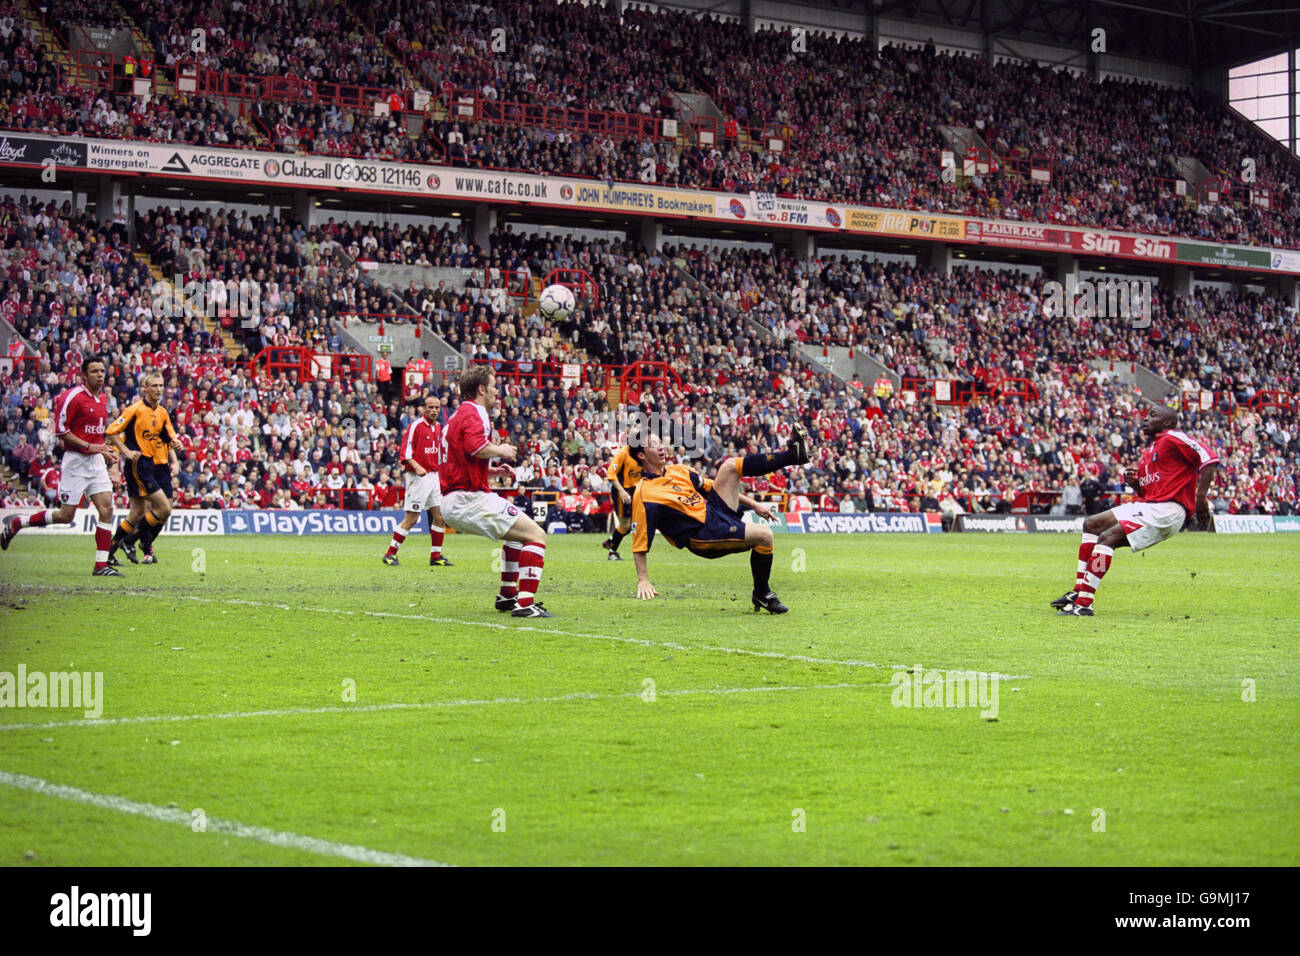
(556, 303)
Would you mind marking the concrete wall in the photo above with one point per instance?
(837, 359)
(405, 345)
(399, 277)
(1152, 386)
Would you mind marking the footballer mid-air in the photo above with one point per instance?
(704, 516)
(1172, 481)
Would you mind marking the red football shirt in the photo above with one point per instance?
(422, 443)
(466, 433)
(1170, 468)
(82, 415)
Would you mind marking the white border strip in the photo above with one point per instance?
(293, 841)
(425, 705)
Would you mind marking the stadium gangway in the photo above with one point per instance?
(469, 105)
(634, 377)
(382, 318)
(1225, 401)
(518, 283)
(293, 89)
(961, 393)
(309, 363)
(707, 132)
(1174, 187)
(1276, 398)
(96, 69)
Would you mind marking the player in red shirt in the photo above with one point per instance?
(469, 506)
(81, 415)
(1172, 481)
(421, 457)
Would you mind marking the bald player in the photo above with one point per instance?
(1172, 481)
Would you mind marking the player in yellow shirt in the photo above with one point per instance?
(145, 437)
(703, 515)
(624, 474)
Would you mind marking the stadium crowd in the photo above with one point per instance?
(323, 40)
(723, 321)
(858, 125)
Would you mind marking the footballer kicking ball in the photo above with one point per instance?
(556, 303)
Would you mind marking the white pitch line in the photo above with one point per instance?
(293, 841)
(423, 705)
(638, 641)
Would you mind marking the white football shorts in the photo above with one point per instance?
(1149, 522)
(82, 476)
(479, 512)
(423, 491)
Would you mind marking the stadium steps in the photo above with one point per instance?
(145, 51)
(407, 76)
(756, 328)
(27, 9)
(1192, 170)
(1154, 387)
(530, 309)
(693, 106)
(406, 345)
(959, 139)
(211, 323)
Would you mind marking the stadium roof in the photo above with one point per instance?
(1197, 34)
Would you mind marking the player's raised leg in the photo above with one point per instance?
(758, 537)
(37, 519)
(727, 481)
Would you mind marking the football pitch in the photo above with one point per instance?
(291, 701)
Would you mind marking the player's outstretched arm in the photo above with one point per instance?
(644, 589)
(1202, 495)
(758, 509)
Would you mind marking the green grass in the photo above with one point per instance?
(1137, 712)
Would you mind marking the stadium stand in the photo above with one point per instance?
(582, 94)
(855, 125)
(74, 288)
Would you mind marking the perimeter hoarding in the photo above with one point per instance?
(126, 157)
